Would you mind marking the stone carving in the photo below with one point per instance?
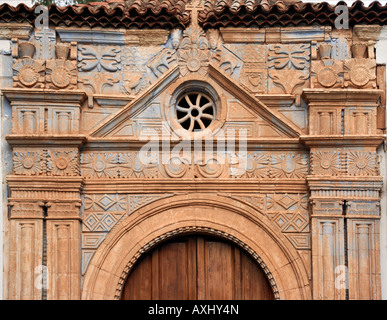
(46, 39)
(360, 72)
(97, 165)
(221, 56)
(288, 80)
(30, 163)
(212, 168)
(260, 165)
(164, 59)
(326, 163)
(193, 53)
(254, 73)
(287, 202)
(101, 221)
(289, 166)
(63, 163)
(288, 66)
(161, 61)
(106, 58)
(326, 72)
(361, 163)
(106, 202)
(28, 73)
(61, 73)
(293, 56)
(177, 167)
(256, 166)
(131, 166)
(134, 76)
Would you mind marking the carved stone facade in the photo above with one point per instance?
(299, 187)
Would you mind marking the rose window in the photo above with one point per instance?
(195, 111)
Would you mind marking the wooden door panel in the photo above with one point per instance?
(138, 286)
(250, 278)
(215, 270)
(197, 267)
(174, 271)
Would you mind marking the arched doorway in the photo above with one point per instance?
(197, 267)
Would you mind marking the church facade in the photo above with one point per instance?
(193, 150)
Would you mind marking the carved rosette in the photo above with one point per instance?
(325, 163)
(360, 73)
(61, 74)
(362, 163)
(132, 165)
(28, 163)
(28, 73)
(193, 52)
(63, 163)
(327, 73)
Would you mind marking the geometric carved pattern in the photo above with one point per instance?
(289, 211)
(258, 165)
(274, 165)
(101, 221)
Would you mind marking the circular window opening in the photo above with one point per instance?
(195, 111)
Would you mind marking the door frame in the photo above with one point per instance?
(197, 213)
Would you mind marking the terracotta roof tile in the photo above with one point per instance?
(217, 13)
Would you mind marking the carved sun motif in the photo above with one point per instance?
(63, 163)
(29, 72)
(99, 165)
(361, 163)
(133, 166)
(27, 163)
(326, 163)
(193, 61)
(256, 166)
(289, 166)
(360, 71)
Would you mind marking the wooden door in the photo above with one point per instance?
(197, 267)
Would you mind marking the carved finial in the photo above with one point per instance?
(195, 7)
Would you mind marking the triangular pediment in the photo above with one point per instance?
(244, 110)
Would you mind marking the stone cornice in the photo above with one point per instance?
(342, 96)
(188, 185)
(345, 187)
(44, 184)
(38, 140)
(371, 141)
(40, 95)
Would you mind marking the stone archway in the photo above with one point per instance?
(222, 216)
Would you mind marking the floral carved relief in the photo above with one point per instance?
(99, 58)
(289, 66)
(361, 163)
(326, 163)
(326, 72)
(30, 163)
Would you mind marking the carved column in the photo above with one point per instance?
(25, 252)
(344, 179)
(363, 250)
(327, 248)
(46, 183)
(344, 183)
